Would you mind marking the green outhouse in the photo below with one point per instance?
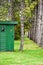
(7, 35)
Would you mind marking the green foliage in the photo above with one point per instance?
(4, 6)
(3, 13)
(17, 32)
(27, 12)
(28, 9)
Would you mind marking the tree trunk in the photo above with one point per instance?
(35, 22)
(38, 31)
(29, 34)
(41, 43)
(9, 16)
(22, 25)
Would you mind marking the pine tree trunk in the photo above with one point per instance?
(9, 16)
(38, 31)
(35, 22)
(41, 43)
(22, 26)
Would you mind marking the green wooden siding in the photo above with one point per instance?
(7, 38)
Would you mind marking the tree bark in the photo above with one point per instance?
(35, 22)
(39, 21)
(22, 25)
(41, 43)
(9, 16)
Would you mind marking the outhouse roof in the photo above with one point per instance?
(9, 22)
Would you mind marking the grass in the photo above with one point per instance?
(32, 54)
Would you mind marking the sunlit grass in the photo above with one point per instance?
(32, 54)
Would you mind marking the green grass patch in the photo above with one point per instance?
(32, 54)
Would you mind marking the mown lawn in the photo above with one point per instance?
(31, 55)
